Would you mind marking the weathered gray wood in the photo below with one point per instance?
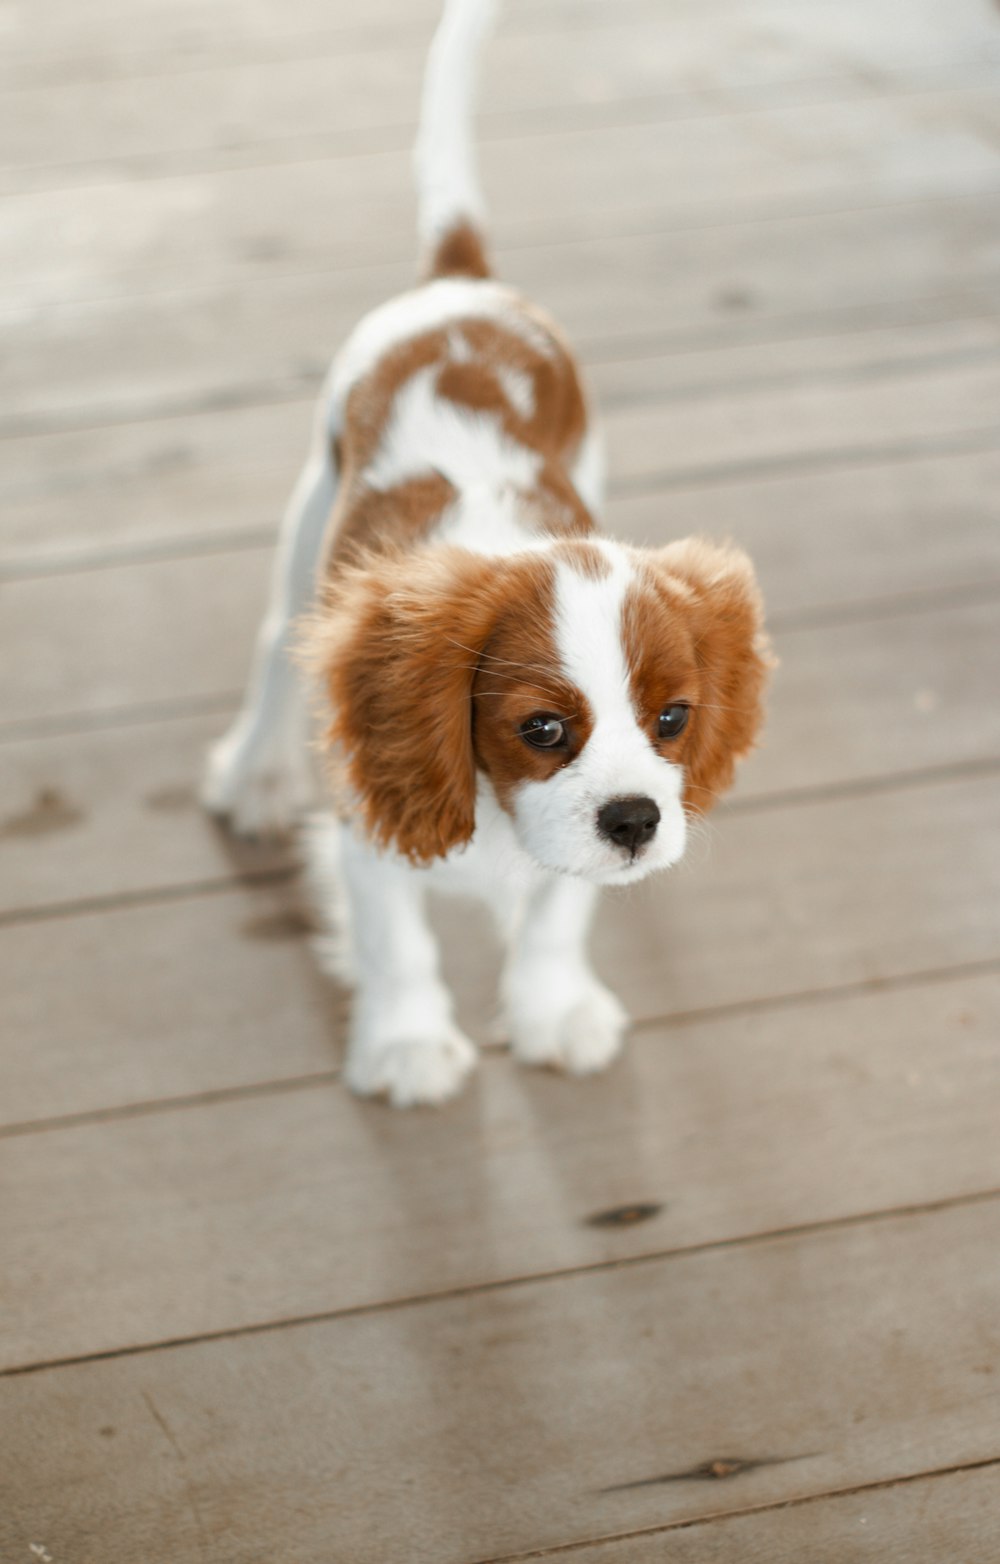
(139, 629)
(232, 113)
(149, 39)
(805, 422)
(516, 1419)
(920, 682)
(825, 539)
(189, 230)
(137, 634)
(272, 334)
(841, 891)
(171, 999)
(261, 1199)
(818, 895)
(774, 230)
(113, 812)
(953, 1515)
(195, 481)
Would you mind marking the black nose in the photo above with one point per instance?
(628, 822)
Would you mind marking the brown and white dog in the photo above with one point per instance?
(516, 706)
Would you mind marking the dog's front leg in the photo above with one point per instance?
(403, 1038)
(558, 1012)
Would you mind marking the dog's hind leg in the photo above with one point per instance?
(258, 776)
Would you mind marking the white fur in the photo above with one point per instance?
(423, 309)
(488, 518)
(403, 1041)
(588, 472)
(447, 185)
(556, 819)
(427, 433)
(518, 388)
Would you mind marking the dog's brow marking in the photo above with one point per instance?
(588, 634)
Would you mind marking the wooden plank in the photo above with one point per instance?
(527, 1418)
(190, 230)
(170, 999)
(272, 335)
(833, 892)
(878, 1102)
(823, 895)
(191, 482)
(859, 701)
(140, 630)
(804, 422)
(234, 113)
(914, 524)
(150, 39)
(112, 813)
(184, 628)
(952, 1515)
(155, 36)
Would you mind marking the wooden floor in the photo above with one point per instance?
(738, 1302)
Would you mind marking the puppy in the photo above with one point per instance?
(514, 706)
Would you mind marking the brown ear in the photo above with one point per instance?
(733, 657)
(395, 648)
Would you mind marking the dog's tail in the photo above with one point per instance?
(451, 208)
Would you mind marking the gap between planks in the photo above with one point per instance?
(214, 885)
(33, 567)
(620, 347)
(744, 1241)
(494, 128)
(565, 1549)
(572, 233)
(672, 1021)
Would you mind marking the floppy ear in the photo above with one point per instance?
(395, 647)
(734, 660)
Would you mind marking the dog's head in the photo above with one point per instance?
(602, 691)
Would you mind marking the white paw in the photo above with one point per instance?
(423, 1070)
(582, 1035)
(257, 792)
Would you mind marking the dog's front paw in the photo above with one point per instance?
(421, 1070)
(582, 1034)
(258, 791)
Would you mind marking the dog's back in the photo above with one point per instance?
(461, 382)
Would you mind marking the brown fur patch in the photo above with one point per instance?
(472, 357)
(519, 676)
(412, 651)
(693, 634)
(460, 253)
(585, 558)
(389, 518)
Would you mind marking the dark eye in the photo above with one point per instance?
(543, 731)
(673, 720)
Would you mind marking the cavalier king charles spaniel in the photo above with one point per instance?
(512, 705)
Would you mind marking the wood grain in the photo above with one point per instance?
(837, 893)
(191, 346)
(692, 1141)
(595, 1402)
(139, 634)
(737, 1301)
(953, 1515)
(152, 37)
(359, 94)
(195, 228)
(207, 480)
